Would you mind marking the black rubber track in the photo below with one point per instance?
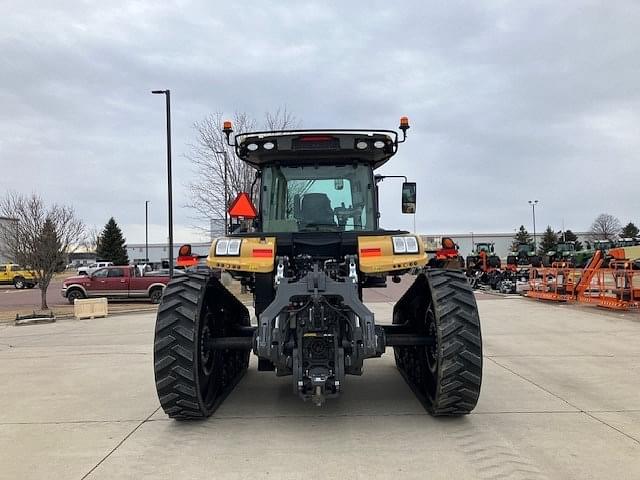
(190, 303)
(452, 385)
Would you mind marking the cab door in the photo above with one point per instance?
(96, 285)
(137, 283)
(117, 282)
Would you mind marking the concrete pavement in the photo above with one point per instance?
(560, 400)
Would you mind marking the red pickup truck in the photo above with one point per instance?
(115, 282)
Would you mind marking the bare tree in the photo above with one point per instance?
(605, 227)
(91, 239)
(280, 120)
(209, 153)
(42, 237)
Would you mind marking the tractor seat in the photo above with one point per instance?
(316, 209)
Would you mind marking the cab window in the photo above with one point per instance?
(115, 272)
(101, 273)
(317, 198)
(16, 268)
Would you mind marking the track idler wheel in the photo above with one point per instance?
(192, 376)
(447, 375)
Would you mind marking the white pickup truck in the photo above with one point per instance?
(89, 269)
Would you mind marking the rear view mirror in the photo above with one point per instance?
(409, 197)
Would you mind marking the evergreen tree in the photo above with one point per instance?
(111, 244)
(49, 256)
(522, 236)
(569, 236)
(549, 241)
(629, 231)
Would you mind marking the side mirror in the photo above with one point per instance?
(409, 197)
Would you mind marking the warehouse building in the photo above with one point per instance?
(159, 252)
(502, 241)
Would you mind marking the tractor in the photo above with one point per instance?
(483, 266)
(314, 245)
(524, 254)
(564, 252)
(483, 257)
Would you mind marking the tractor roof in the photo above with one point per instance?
(300, 147)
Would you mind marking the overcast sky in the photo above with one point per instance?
(508, 101)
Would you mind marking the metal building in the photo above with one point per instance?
(502, 241)
(159, 252)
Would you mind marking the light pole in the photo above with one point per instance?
(167, 95)
(533, 206)
(146, 231)
(226, 188)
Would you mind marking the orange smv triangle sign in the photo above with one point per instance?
(242, 207)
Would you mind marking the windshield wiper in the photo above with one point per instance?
(317, 226)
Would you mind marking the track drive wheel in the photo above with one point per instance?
(192, 378)
(446, 376)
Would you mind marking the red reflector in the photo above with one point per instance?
(316, 138)
(370, 252)
(262, 252)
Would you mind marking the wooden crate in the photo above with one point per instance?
(90, 308)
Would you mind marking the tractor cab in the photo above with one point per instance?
(564, 248)
(485, 247)
(319, 180)
(603, 245)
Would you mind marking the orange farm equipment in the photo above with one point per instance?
(446, 257)
(616, 287)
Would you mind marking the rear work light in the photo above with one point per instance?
(228, 247)
(405, 244)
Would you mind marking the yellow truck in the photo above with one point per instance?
(19, 277)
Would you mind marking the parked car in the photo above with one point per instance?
(19, 277)
(114, 282)
(89, 269)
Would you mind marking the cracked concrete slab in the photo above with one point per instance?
(559, 400)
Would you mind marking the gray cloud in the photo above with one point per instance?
(509, 101)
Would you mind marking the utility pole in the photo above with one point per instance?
(167, 95)
(146, 231)
(226, 190)
(533, 206)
